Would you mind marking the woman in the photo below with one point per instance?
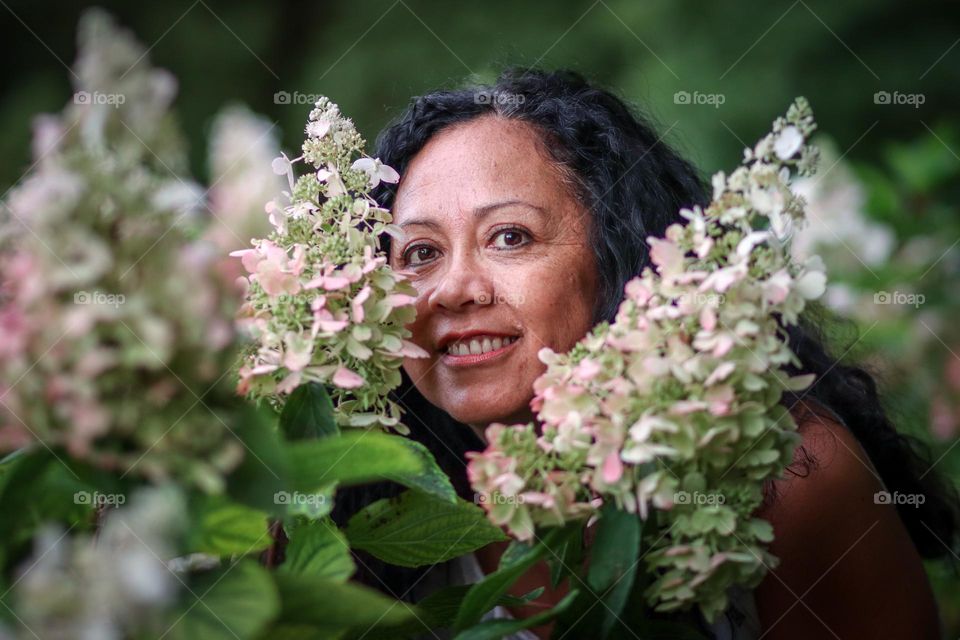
(524, 207)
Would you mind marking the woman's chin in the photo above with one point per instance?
(479, 418)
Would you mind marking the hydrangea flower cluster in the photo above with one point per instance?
(114, 586)
(116, 328)
(671, 411)
(322, 305)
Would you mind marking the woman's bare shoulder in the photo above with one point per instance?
(847, 565)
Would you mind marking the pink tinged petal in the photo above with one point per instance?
(347, 379)
(275, 282)
(612, 468)
(261, 369)
(398, 300)
(249, 258)
(720, 373)
(327, 323)
(356, 305)
(411, 350)
(725, 342)
(666, 255)
(299, 259)
(638, 292)
(720, 399)
(587, 369)
(708, 319)
(289, 383)
(335, 283)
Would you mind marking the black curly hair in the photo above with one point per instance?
(634, 185)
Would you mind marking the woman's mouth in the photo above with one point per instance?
(477, 349)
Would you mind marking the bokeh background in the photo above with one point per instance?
(882, 77)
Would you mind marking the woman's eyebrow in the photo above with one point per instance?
(478, 213)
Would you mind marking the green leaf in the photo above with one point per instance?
(332, 607)
(496, 629)
(483, 595)
(318, 549)
(236, 602)
(314, 505)
(352, 458)
(568, 559)
(222, 527)
(416, 529)
(264, 469)
(41, 485)
(613, 562)
(308, 414)
(438, 610)
(431, 479)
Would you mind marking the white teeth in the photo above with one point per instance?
(477, 346)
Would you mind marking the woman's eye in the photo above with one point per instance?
(510, 238)
(418, 255)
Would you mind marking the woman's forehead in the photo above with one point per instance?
(473, 164)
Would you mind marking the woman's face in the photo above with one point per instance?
(497, 248)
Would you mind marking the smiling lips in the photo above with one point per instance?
(479, 344)
(477, 349)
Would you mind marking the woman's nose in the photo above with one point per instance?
(464, 282)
